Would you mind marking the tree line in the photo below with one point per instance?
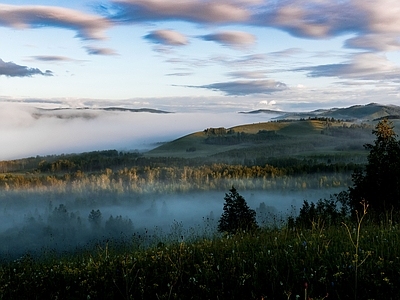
(176, 178)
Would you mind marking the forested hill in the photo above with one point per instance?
(316, 153)
(255, 143)
(369, 112)
(323, 139)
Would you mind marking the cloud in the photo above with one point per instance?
(52, 58)
(87, 26)
(180, 74)
(311, 19)
(196, 11)
(248, 87)
(91, 50)
(364, 66)
(288, 52)
(375, 42)
(11, 69)
(247, 74)
(231, 38)
(167, 37)
(375, 23)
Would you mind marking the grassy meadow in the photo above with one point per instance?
(285, 263)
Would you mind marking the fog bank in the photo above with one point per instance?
(27, 131)
(35, 222)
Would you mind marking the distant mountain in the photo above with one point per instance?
(369, 112)
(149, 110)
(264, 111)
(87, 112)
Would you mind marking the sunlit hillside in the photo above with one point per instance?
(300, 138)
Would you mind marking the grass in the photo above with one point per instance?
(284, 263)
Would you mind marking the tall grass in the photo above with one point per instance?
(282, 263)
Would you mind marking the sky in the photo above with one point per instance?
(188, 56)
(199, 55)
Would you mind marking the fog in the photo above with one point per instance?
(39, 222)
(36, 222)
(28, 131)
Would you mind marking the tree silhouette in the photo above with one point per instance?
(95, 219)
(379, 184)
(236, 215)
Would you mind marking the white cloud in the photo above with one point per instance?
(236, 39)
(87, 26)
(188, 10)
(92, 50)
(167, 37)
(364, 66)
(247, 87)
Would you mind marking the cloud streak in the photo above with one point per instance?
(375, 23)
(365, 66)
(11, 69)
(195, 11)
(92, 50)
(87, 26)
(247, 87)
(52, 58)
(167, 37)
(235, 39)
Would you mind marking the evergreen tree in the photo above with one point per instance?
(236, 215)
(95, 219)
(379, 184)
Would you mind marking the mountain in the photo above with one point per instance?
(87, 113)
(369, 112)
(264, 111)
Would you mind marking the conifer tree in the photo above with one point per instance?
(236, 214)
(379, 184)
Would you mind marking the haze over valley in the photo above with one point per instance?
(174, 188)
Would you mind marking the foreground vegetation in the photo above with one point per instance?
(285, 263)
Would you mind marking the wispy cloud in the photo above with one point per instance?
(196, 11)
(247, 87)
(248, 74)
(11, 69)
(375, 23)
(180, 74)
(92, 50)
(52, 58)
(236, 39)
(365, 66)
(312, 19)
(375, 42)
(87, 26)
(167, 37)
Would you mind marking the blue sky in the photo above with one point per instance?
(188, 55)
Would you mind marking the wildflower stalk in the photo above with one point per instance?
(356, 242)
(305, 290)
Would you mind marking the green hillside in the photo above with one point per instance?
(312, 137)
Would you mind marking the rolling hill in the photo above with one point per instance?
(261, 141)
(367, 112)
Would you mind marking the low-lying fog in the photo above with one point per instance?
(37, 222)
(27, 131)
(45, 222)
